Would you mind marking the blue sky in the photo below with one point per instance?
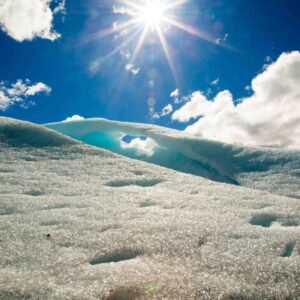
(244, 36)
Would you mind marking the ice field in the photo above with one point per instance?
(274, 170)
(202, 220)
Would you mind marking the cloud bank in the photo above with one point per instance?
(19, 92)
(28, 19)
(270, 117)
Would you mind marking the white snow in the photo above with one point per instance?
(79, 222)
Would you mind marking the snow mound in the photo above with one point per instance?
(273, 170)
(20, 133)
(78, 222)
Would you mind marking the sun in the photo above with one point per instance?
(152, 14)
(143, 17)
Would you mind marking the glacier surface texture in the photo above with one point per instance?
(82, 222)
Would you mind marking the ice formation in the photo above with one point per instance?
(274, 170)
(79, 222)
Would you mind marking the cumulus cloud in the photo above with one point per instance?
(132, 68)
(19, 92)
(269, 117)
(29, 19)
(141, 147)
(74, 118)
(192, 109)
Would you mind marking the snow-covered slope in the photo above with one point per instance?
(273, 170)
(19, 133)
(78, 222)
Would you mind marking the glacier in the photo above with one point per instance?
(84, 222)
(270, 169)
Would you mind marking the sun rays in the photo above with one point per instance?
(140, 17)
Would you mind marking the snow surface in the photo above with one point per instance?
(79, 222)
(270, 169)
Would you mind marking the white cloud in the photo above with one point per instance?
(194, 108)
(19, 92)
(155, 116)
(74, 118)
(60, 8)
(215, 82)
(37, 88)
(175, 93)
(132, 68)
(29, 19)
(270, 117)
(167, 110)
(142, 147)
(176, 96)
(124, 11)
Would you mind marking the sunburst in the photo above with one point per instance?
(144, 16)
